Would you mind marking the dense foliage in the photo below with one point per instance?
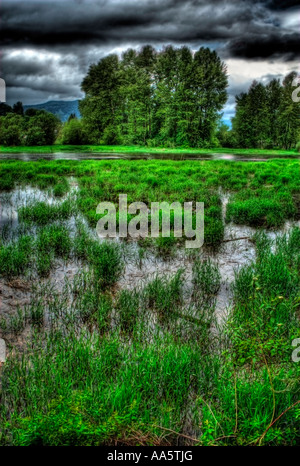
(32, 128)
(171, 97)
(266, 116)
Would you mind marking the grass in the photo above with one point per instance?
(15, 257)
(266, 295)
(105, 365)
(263, 194)
(88, 381)
(143, 149)
(262, 211)
(41, 213)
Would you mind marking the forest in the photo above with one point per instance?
(169, 98)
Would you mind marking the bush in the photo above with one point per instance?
(73, 133)
(41, 129)
(11, 130)
(111, 136)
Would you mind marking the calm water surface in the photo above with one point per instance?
(142, 156)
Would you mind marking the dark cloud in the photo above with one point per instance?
(281, 4)
(99, 22)
(240, 26)
(285, 46)
(47, 46)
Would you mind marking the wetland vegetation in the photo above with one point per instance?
(105, 348)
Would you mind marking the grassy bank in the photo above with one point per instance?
(104, 364)
(143, 149)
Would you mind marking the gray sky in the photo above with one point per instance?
(47, 46)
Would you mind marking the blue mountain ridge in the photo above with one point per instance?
(61, 108)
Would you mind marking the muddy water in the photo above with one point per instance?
(11, 202)
(141, 265)
(141, 156)
(230, 256)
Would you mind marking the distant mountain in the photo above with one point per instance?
(60, 108)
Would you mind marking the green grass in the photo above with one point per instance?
(266, 296)
(263, 194)
(41, 213)
(151, 365)
(88, 381)
(15, 257)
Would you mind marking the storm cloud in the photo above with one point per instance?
(47, 47)
(69, 22)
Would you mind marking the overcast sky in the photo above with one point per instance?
(47, 46)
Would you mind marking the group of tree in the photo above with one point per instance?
(266, 116)
(168, 97)
(30, 128)
(171, 97)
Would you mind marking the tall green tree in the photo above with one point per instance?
(11, 129)
(289, 114)
(101, 107)
(210, 83)
(274, 99)
(168, 97)
(41, 129)
(266, 116)
(137, 92)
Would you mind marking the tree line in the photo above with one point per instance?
(170, 98)
(266, 116)
(30, 128)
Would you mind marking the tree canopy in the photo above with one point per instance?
(169, 97)
(266, 116)
(35, 128)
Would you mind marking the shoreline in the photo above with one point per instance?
(141, 150)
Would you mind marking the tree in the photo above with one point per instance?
(5, 109)
(225, 135)
(11, 130)
(266, 116)
(18, 108)
(72, 116)
(289, 114)
(137, 94)
(30, 112)
(102, 105)
(258, 111)
(210, 83)
(73, 132)
(274, 98)
(171, 97)
(41, 129)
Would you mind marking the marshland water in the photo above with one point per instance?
(151, 309)
(25, 156)
(140, 265)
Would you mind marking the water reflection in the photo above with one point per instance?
(141, 156)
